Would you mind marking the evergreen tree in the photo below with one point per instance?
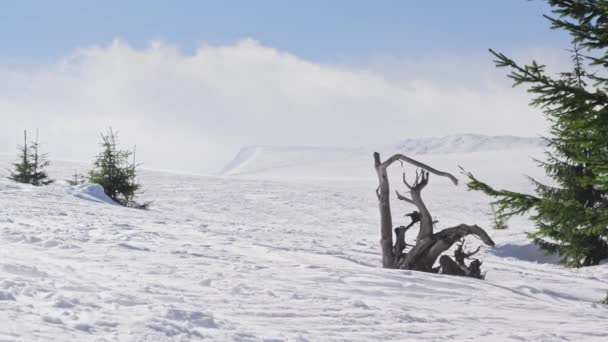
(114, 171)
(39, 162)
(498, 222)
(23, 168)
(30, 168)
(571, 217)
(77, 179)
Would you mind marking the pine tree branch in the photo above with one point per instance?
(509, 203)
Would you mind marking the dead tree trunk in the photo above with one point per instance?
(429, 245)
(386, 220)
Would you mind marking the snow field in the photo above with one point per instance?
(284, 254)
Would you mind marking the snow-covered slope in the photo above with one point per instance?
(467, 143)
(244, 259)
(347, 163)
(262, 159)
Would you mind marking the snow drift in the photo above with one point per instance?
(93, 192)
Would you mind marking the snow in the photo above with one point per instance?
(265, 159)
(300, 162)
(93, 192)
(466, 143)
(288, 252)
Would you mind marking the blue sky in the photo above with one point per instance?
(347, 31)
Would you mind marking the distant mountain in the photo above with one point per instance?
(466, 143)
(321, 161)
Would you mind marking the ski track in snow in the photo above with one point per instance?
(234, 259)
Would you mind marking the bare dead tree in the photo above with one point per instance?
(429, 245)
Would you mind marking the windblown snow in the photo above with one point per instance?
(287, 251)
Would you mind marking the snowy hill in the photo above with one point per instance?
(259, 159)
(466, 143)
(273, 259)
(340, 163)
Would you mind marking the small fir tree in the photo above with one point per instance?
(114, 171)
(23, 169)
(77, 179)
(31, 165)
(39, 163)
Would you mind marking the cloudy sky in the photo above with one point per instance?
(191, 82)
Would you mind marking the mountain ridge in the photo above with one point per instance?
(270, 155)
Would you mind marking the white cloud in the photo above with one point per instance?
(193, 112)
